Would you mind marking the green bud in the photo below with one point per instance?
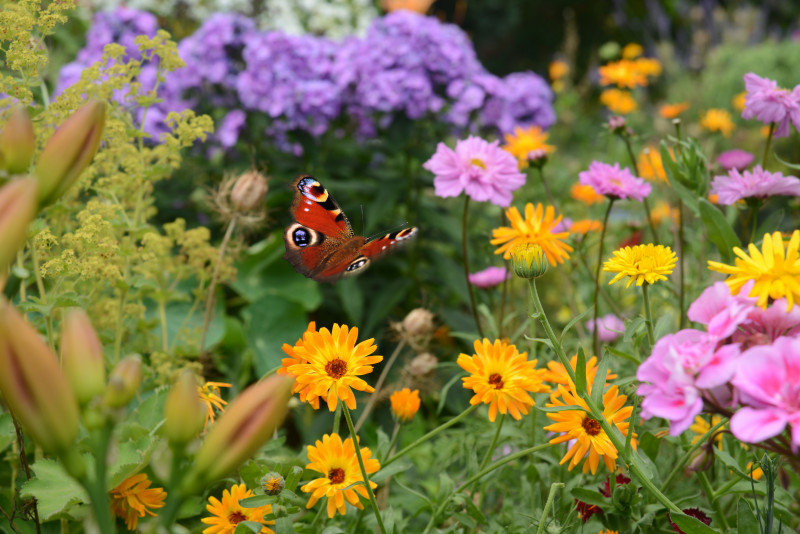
(82, 356)
(124, 382)
(272, 483)
(529, 261)
(17, 142)
(17, 210)
(184, 410)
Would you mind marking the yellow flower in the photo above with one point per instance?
(294, 359)
(558, 69)
(589, 436)
(501, 377)
(775, 271)
(229, 513)
(333, 364)
(701, 426)
(642, 263)
(528, 261)
(717, 120)
(134, 498)
(650, 165)
(584, 226)
(609, 531)
(757, 472)
(210, 395)
(337, 462)
(649, 66)
(662, 211)
(524, 141)
(586, 194)
(622, 73)
(632, 51)
(671, 111)
(405, 404)
(536, 228)
(557, 374)
(618, 101)
(738, 101)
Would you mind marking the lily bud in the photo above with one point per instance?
(123, 383)
(184, 410)
(33, 385)
(17, 142)
(82, 356)
(246, 425)
(70, 150)
(17, 210)
(249, 191)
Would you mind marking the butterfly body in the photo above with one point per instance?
(320, 243)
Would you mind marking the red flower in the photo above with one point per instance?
(620, 479)
(586, 510)
(697, 513)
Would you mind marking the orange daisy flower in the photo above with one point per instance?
(620, 102)
(134, 498)
(586, 194)
(303, 389)
(557, 374)
(622, 73)
(536, 228)
(210, 395)
(650, 165)
(584, 226)
(228, 513)
(718, 120)
(524, 141)
(405, 404)
(671, 111)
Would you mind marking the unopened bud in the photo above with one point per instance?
(272, 483)
(703, 458)
(422, 364)
(124, 381)
(184, 410)
(418, 322)
(249, 191)
(82, 356)
(17, 210)
(616, 124)
(529, 261)
(70, 150)
(17, 142)
(537, 158)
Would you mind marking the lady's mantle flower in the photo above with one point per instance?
(614, 182)
(337, 462)
(134, 498)
(483, 170)
(538, 228)
(229, 513)
(717, 120)
(642, 263)
(489, 277)
(757, 183)
(766, 102)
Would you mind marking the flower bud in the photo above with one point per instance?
(17, 142)
(184, 410)
(70, 150)
(537, 158)
(418, 322)
(17, 210)
(249, 191)
(246, 425)
(123, 383)
(33, 385)
(405, 404)
(272, 483)
(616, 124)
(82, 356)
(422, 364)
(703, 458)
(529, 261)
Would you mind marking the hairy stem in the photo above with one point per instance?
(466, 266)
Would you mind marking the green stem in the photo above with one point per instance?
(688, 454)
(120, 324)
(175, 495)
(393, 441)
(363, 469)
(547, 189)
(714, 503)
(379, 384)
(766, 148)
(648, 315)
(466, 266)
(635, 166)
(725, 487)
(595, 329)
(549, 504)
(212, 286)
(754, 207)
(337, 417)
(96, 488)
(162, 313)
(494, 443)
(682, 279)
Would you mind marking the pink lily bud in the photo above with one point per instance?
(184, 410)
(17, 142)
(70, 150)
(123, 382)
(82, 356)
(17, 210)
(33, 385)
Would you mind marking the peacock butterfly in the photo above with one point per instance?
(320, 243)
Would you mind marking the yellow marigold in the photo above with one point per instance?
(584, 226)
(501, 377)
(134, 498)
(662, 212)
(334, 363)
(337, 462)
(405, 404)
(305, 390)
(650, 165)
(523, 141)
(536, 228)
(717, 120)
(621, 102)
(586, 194)
(642, 263)
(632, 51)
(775, 269)
(210, 395)
(589, 436)
(622, 73)
(649, 66)
(671, 111)
(558, 69)
(738, 101)
(701, 426)
(228, 513)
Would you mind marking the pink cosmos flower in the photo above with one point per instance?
(490, 277)
(735, 159)
(768, 383)
(721, 312)
(767, 102)
(482, 170)
(756, 183)
(611, 327)
(614, 182)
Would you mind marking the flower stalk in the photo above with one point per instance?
(648, 314)
(212, 285)
(466, 266)
(364, 475)
(595, 346)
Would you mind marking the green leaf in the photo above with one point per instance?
(768, 225)
(283, 525)
(793, 166)
(746, 520)
(248, 526)
(390, 470)
(598, 385)
(7, 432)
(622, 354)
(271, 322)
(730, 463)
(572, 322)
(719, 231)
(55, 491)
(690, 525)
(580, 371)
(258, 500)
(352, 297)
(559, 408)
(589, 496)
(293, 478)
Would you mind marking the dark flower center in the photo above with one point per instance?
(336, 475)
(236, 517)
(496, 380)
(591, 426)
(336, 368)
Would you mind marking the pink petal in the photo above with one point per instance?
(754, 426)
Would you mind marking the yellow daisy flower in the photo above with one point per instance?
(701, 426)
(621, 102)
(586, 194)
(523, 141)
(210, 395)
(334, 364)
(405, 404)
(649, 66)
(642, 263)
(228, 513)
(337, 462)
(717, 120)
(303, 389)
(134, 498)
(622, 73)
(671, 111)
(774, 269)
(557, 374)
(501, 377)
(536, 228)
(589, 436)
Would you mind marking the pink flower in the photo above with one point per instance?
(489, 277)
(614, 182)
(768, 382)
(756, 183)
(767, 102)
(721, 312)
(482, 170)
(735, 159)
(763, 326)
(563, 226)
(611, 327)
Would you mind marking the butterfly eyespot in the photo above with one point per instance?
(301, 237)
(360, 263)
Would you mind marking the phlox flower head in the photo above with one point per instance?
(614, 182)
(768, 103)
(757, 183)
(482, 170)
(735, 159)
(611, 327)
(489, 277)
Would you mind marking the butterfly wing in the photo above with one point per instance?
(356, 254)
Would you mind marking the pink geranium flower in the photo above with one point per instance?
(763, 326)
(756, 183)
(735, 159)
(489, 277)
(613, 182)
(767, 102)
(721, 312)
(611, 327)
(482, 170)
(768, 383)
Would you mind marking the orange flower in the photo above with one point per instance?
(294, 359)
(617, 101)
(650, 165)
(718, 120)
(405, 404)
(662, 211)
(586, 194)
(228, 513)
(622, 73)
(536, 228)
(584, 226)
(649, 66)
(557, 374)
(524, 141)
(738, 101)
(671, 111)
(632, 51)
(418, 6)
(134, 498)
(558, 69)
(210, 395)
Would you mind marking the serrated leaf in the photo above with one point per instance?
(690, 525)
(55, 491)
(719, 231)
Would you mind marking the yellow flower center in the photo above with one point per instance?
(496, 380)
(336, 475)
(336, 368)
(236, 517)
(591, 426)
(273, 484)
(478, 163)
